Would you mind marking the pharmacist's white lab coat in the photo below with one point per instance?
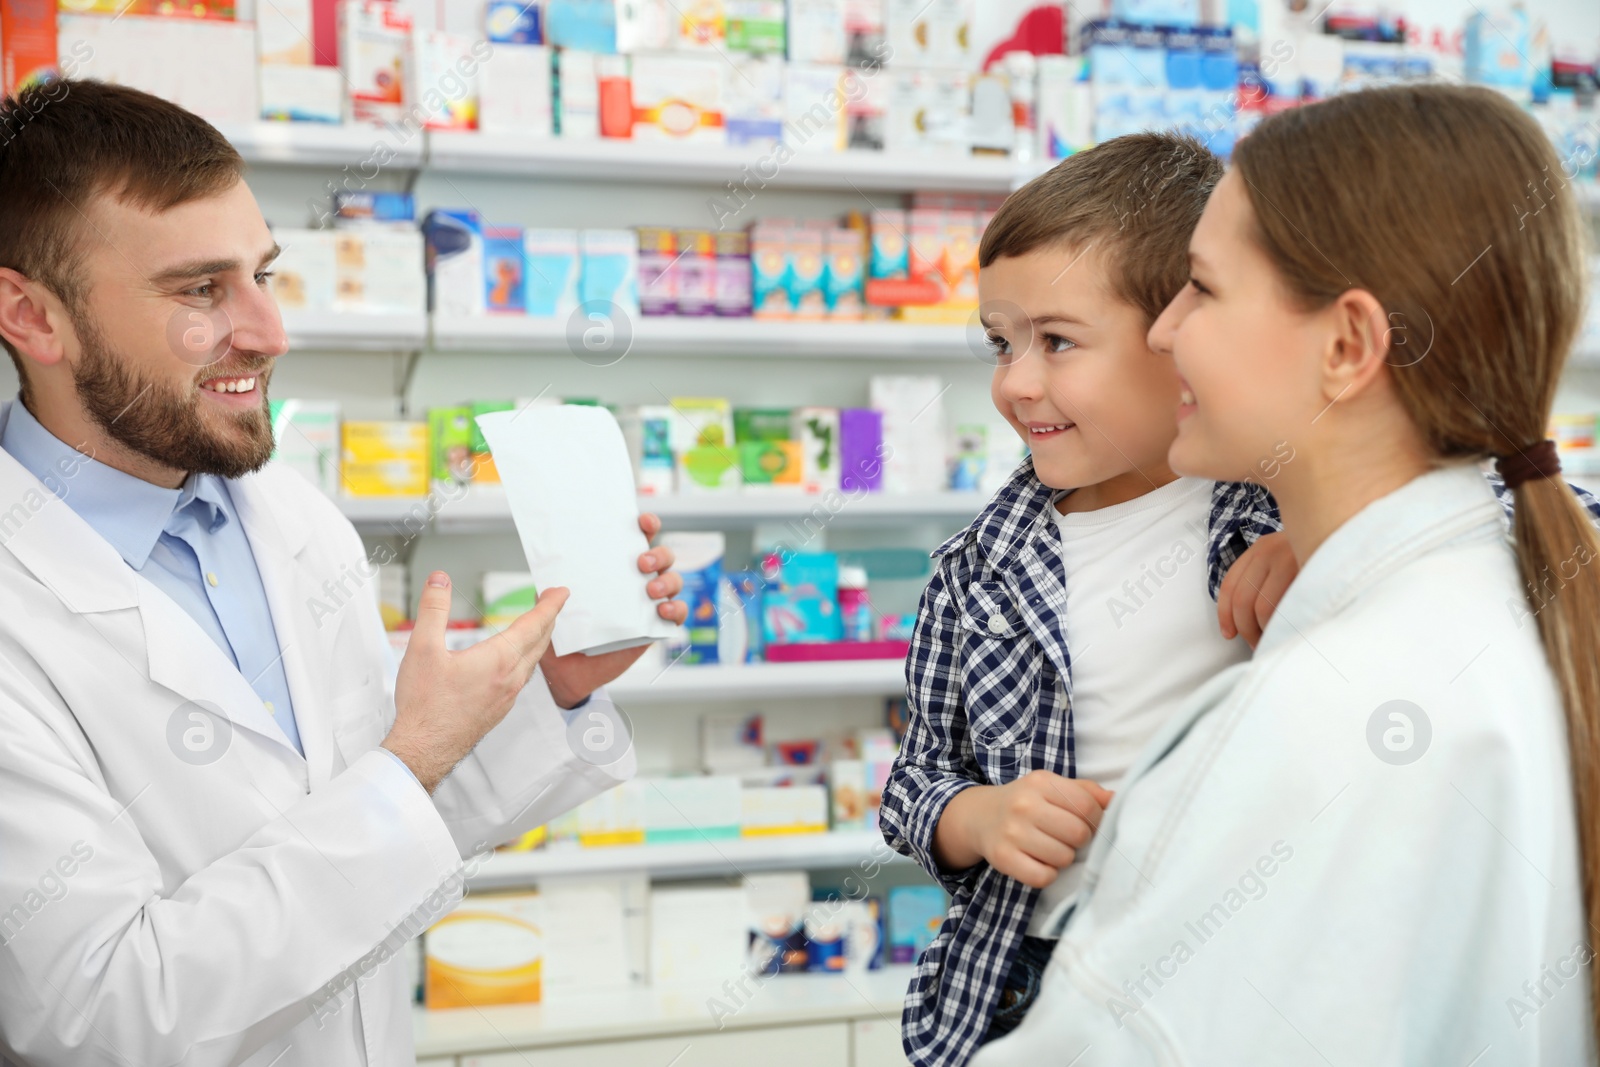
(154, 911)
(1300, 871)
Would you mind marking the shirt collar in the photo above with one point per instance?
(130, 513)
(1019, 511)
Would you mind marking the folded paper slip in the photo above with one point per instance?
(570, 483)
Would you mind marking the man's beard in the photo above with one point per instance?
(160, 424)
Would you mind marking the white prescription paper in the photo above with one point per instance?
(570, 484)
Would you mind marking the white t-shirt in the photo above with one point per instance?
(1142, 631)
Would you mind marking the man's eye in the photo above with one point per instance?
(200, 291)
(263, 276)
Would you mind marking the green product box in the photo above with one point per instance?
(762, 424)
(450, 433)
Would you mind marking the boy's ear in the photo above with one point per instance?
(1360, 338)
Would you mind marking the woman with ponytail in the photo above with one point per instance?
(1378, 842)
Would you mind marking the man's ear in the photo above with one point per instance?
(33, 319)
(1358, 344)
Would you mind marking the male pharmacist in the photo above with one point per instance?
(216, 821)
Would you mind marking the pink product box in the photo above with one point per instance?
(732, 275)
(697, 273)
(812, 651)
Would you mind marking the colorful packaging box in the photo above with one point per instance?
(806, 269)
(615, 817)
(731, 744)
(679, 98)
(817, 431)
(753, 101)
(814, 109)
(610, 270)
(645, 26)
(842, 277)
(504, 270)
(865, 43)
(731, 287)
(616, 96)
(703, 24)
(577, 95)
(515, 91)
(861, 450)
(773, 464)
(699, 563)
(367, 207)
(375, 53)
(915, 914)
(756, 26)
(847, 793)
(804, 605)
(553, 269)
(793, 809)
(206, 66)
(510, 22)
(867, 111)
(483, 468)
(817, 32)
(27, 43)
(703, 807)
(762, 424)
(284, 32)
(777, 903)
(506, 596)
(305, 274)
(489, 950)
(769, 272)
(450, 445)
(384, 459)
(376, 271)
(648, 432)
(658, 281)
(442, 87)
(305, 436)
(454, 243)
(696, 270)
(703, 445)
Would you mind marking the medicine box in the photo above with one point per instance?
(515, 91)
(377, 271)
(793, 809)
(730, 744)
(301, 93)
(777, 903)
(647, 429)
(577, 95)
(658, 253)
(450, 445)
(691, 808)
(699, 562)
(915, 914)
(814, 109)
(731, 287)
(375, 54)
(862, 450)
(445, 80)
(504, 270)
(702, 24)
(703, 445)
(27, 44)
(454, 248)
(679, 98)
(305, 435)
(489, 950)
(506, 596)
(753, 101)
(610, 269)
(553, 270)
(615, 817)
(305, 272)
(816, 430)
(511, 22)
(698, 935)
(379, 459)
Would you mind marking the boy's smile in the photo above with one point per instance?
(1074, 376)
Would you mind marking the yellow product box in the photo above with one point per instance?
(490, 950)
(615, 817)
(384, 458)
(792, 809)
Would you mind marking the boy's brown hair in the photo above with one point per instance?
(1137, 198)
(64, 142)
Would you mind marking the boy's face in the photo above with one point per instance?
(1074, 376)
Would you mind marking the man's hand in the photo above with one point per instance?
(573, 677)
(1030, 829)
(446, 701)
(1251, 589)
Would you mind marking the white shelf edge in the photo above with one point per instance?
(734, 855)
(816, 678)
(475, 513)
(741, 337)
(324, 331)
(645, 161)
(326, 144)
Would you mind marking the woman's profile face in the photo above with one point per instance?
(1249, 358)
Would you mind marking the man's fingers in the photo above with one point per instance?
(658, 559)
(650, 523)
(668, 585)
(530, 633)
(673, 611)
(433, 613)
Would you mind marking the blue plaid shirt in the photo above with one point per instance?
(985, 708)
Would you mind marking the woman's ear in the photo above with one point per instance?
(1359, 341)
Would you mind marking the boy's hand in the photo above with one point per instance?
(1029, 829)
(1251, 589)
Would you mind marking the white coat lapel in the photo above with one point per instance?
(278, 537)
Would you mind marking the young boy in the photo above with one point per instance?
(1014, 742)
(1093, 546)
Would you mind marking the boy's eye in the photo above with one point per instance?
(1057, 343)
(997, 344)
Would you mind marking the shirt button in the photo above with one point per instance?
(997, 624)
(212, 578)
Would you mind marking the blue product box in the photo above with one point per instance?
(1183, 59)
(1148, 51)
(915, 914)
(582, 25)
(1219, 64)
(365, 206)
(454, 250)
(552, 260)
(700, 566)
(804, 605)
(504, 270)
(512, 22)
(1111, 62)
(1163, 12)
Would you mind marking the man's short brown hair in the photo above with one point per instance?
(65, 142)
(1137, 198)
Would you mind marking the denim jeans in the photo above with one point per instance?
(1021, 986)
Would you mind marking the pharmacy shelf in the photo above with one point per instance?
(742, 337)
(315, 144)
(747, 168)
(601, 1017)
(690, 859)
(486, 511)
(753, 681)
(330, 331)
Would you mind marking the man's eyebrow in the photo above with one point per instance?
(201, 267)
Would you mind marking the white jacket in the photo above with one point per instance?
(1275, 883)
(156, 910)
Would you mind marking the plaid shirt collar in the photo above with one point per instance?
(1010, 519)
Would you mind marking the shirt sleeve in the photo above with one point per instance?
(1241, 514)
(934, 763)
(1508, 499)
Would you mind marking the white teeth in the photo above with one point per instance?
(232, 385)
(1047, 429)
(1185, 397)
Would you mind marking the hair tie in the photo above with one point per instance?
(1535, 461)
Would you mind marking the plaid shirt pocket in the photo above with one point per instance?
(1000, 672)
